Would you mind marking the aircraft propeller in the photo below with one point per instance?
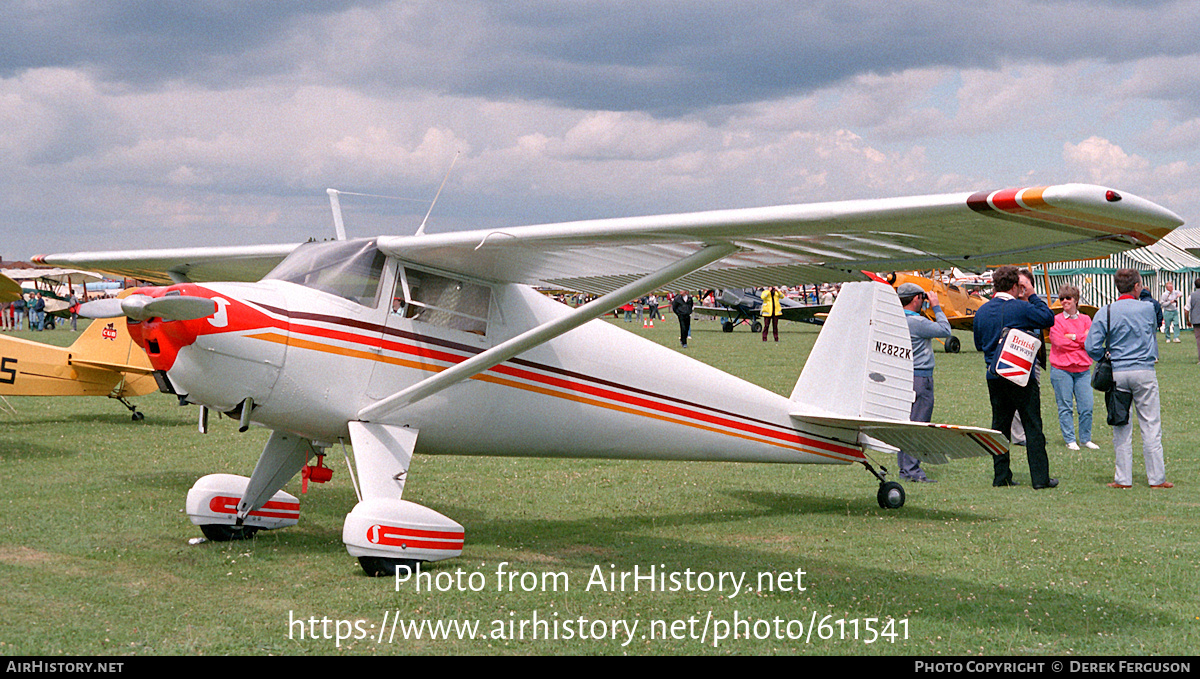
(139, 307)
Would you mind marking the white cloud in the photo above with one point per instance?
(1175, 183)
(380, 97)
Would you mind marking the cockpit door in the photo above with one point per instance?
(434, 320)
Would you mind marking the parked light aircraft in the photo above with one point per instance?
(739, 306)
(103, 361)
(437, 344)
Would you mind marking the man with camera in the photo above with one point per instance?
(922, 332)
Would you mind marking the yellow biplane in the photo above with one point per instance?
(957, 303)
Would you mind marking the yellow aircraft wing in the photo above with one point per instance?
(10, 290)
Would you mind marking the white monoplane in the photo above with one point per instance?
(436, 344)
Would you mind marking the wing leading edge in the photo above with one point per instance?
(782, 245)
(178, 265)
(800, 244)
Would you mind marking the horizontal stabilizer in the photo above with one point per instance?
(928, 442)
(118, 367)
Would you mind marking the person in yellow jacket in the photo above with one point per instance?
(772, 309)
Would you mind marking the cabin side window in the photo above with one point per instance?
(443, 301)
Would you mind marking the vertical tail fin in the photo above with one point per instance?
(861, 365)
(106, 342)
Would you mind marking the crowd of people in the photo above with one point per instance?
(29, 310)
(1122, 334)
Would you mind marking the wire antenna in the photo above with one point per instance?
(421, 228)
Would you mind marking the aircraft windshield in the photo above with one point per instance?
(349, 269)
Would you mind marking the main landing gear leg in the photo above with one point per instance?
(386, 533)
(230, 507)
(891, 494)
(137, 417)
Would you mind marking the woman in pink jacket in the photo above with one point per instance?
(1070, 369)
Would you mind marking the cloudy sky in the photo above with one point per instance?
(128, 124)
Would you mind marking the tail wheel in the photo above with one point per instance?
(891, 495)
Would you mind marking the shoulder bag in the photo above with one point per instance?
(1102, 374)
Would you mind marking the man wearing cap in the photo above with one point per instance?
(1015, 305)
(921, 331)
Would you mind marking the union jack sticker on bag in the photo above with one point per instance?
(1017, 354)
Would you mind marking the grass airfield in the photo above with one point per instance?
(96, 559)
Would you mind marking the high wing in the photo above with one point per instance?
(803, 244)
(198, 265)
(784, 245)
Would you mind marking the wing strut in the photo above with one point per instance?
(545, 332)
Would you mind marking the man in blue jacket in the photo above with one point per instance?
(1015, 305)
